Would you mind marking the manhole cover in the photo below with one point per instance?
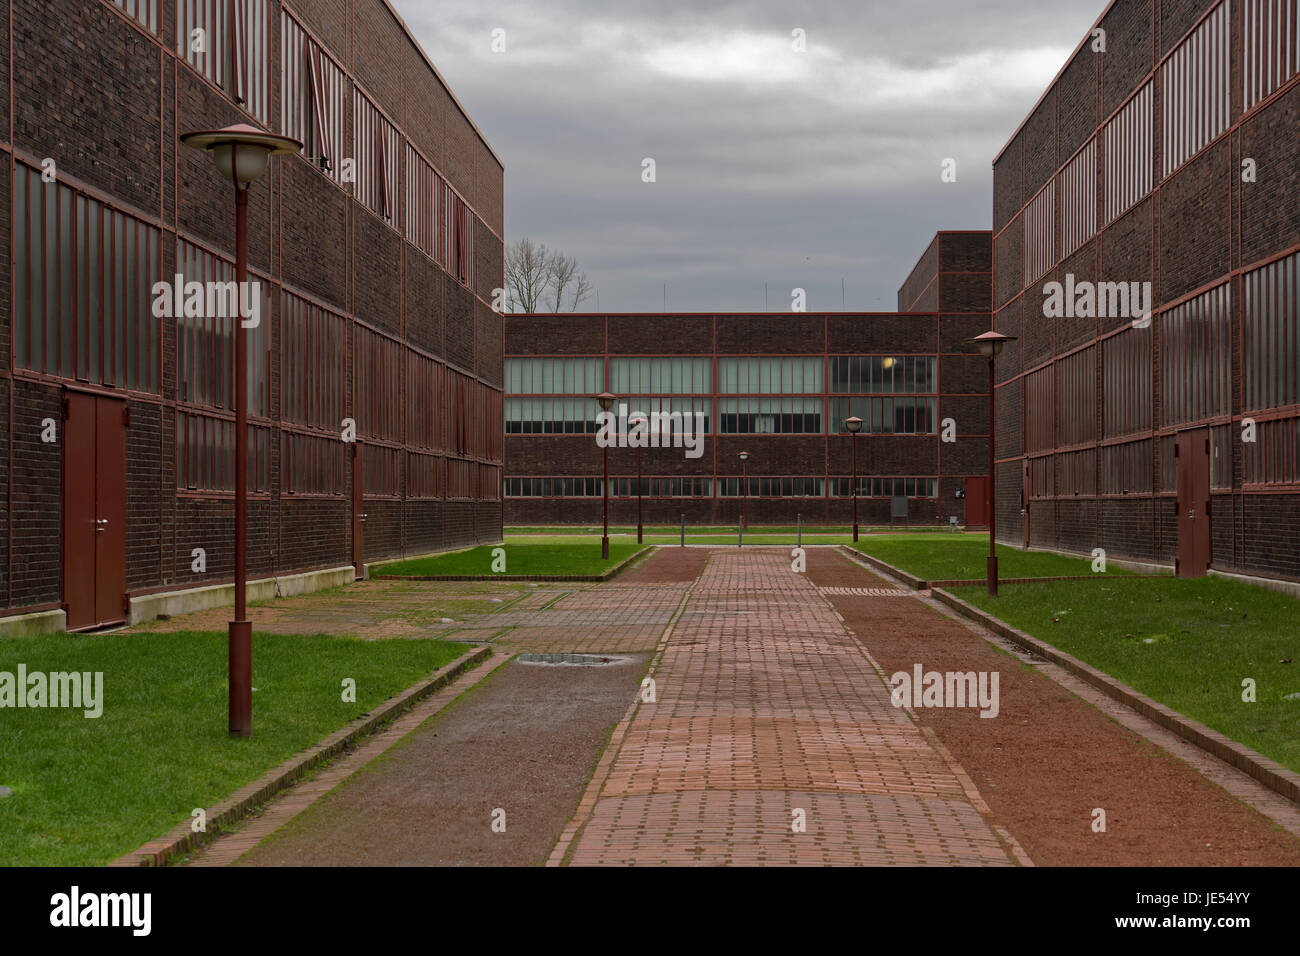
(581, 660)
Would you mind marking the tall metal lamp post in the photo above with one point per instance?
(744, 496)
(241, 154)
(990, 345)
(854, 425)
(637, 423)
(606, 401)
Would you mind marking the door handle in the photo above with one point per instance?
(101, 524)
(1191, 515)
(364, 516)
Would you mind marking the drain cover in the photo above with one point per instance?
(583, 660)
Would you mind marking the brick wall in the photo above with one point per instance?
(107, 100)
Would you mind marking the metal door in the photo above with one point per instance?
(1026, 491)
(94, 510)
(977, 502)
(1192, 453)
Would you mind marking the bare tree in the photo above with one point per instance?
(527, 275)
(539, 278)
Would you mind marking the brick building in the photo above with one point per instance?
(778, 386)
(1164, 153)
(376, 251)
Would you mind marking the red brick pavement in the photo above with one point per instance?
(768, 712)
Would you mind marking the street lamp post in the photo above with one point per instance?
(606, 400)
(637, 423)
(854, 425)
(744, 497)
(241, 154)
(990, 345)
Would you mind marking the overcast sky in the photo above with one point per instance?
(797, 169)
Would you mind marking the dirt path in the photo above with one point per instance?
(1049, 758)
(523, 741)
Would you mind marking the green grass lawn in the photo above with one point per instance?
(1187, 643)
(87, 791)
(960, 557)
(673, 529)
(545, 556)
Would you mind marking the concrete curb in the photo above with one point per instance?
(181, 839)
(540, 578)
(1237, 755)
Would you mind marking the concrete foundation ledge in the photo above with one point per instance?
(32, 625)
(146, 607)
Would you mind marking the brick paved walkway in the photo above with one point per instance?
(766, 706)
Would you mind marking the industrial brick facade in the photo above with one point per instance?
(1164, 152)
(377, 251)
(775, 386)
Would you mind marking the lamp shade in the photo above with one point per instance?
(853, 424)
(606, 400)
(744, 456)
(241, 152)
(991, 342)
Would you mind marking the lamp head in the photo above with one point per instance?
(241, 152)
(606, 400)
(991, 342)
(853, 424)
(744, 456)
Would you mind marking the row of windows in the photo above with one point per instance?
(905, 374)
(736, 416)
(1195, 93)
(1126, 469)
(555, 376)
(735, 487)
(661, 376)
(227, 41)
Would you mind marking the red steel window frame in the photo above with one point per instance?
(1271, 48)
(84, 274)
(1196, 91)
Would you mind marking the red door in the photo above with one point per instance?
(94, 510)
(358, 512)
(1192, 453)
(977, 502)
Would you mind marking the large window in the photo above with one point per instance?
(1077, 473)
(376, 149)
(770, 376)
(1271, 335)
(314, 97)
(1129, 159)
(886, 416)
(381, 469)
(145, 11)
(1079, 199)
(1126, 468)
(1077, 384)
(423, 475)
(551, 416)
(1194, 91)
(662, 487)
(1126, 386)
(205, 454)
(313, 371)
(1040, 233)
(553, 488)
(226, 41)
(770, 416)
(425, 190)
(869, 487)
(555, 376)
(907, 374)
(660, 376)
(376, 401)
(1196, 359)
(423, 401)
(311, 464)
(83, 287)
(1274, 457)
(1272, 47)
(205, 334)
(1040, 410)
(772, 487)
